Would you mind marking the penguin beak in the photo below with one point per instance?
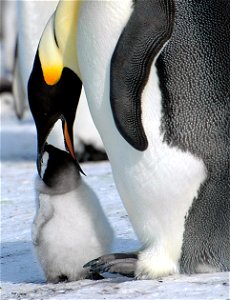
(68, 138)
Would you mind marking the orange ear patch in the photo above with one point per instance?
(52, 74)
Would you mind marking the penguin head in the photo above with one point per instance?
(59, 170)
(53, 91)
(48, 103)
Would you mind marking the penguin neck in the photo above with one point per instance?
(66, 19)
(100, 26)
(57, 47)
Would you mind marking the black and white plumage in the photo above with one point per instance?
(156, 77)
(70, 227)
(161, 83)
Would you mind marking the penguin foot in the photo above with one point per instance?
(62, 278)
(116, 263)
(85, 274)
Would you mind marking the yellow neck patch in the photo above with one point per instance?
(66, 20)
(50, 56)
(57, 48)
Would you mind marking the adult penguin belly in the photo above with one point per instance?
(124, 83)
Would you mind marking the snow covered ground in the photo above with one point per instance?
(21, 276)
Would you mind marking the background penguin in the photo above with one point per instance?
(156, 77)
(31, 18)
(7, 44)
(70, 227)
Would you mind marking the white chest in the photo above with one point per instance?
(157, 186)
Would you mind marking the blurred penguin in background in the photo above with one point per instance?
(7, 43)
(31, 18)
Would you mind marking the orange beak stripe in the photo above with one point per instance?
(68, 141)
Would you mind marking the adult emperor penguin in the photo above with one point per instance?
(70, 227)
(156, 76)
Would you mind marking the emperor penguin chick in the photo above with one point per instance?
(70, 227)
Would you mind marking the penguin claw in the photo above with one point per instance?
(117, 263)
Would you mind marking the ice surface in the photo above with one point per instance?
(21, 275)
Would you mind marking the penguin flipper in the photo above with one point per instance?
(116, 263)
(148, 29)
(44, 213)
